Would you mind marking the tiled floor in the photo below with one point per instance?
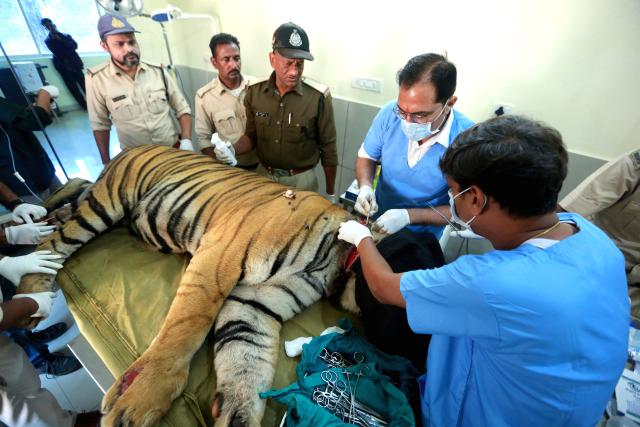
(73, 141)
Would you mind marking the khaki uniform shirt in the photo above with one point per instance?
(293, 131)
(610, 197)
(217, 110)
(138, 107)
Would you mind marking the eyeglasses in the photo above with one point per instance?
(420, 117)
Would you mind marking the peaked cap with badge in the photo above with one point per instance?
(291, 41)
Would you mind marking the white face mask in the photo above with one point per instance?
(419, 131)
(454, 213)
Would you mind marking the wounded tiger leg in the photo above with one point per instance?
(145, 391)
(247, 335)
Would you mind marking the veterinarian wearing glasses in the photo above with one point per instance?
(533, 333)
(408, 138)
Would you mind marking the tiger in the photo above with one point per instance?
(260, 254)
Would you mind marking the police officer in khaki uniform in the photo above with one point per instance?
(136, 96)
(289, 120)
(610, 197)
(220, 103)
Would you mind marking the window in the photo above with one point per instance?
(22, 34)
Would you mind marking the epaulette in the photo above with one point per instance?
(153, 65)
(98, 68)
(322, 88)
(204, 89)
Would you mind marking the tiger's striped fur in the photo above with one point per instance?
(258, 258)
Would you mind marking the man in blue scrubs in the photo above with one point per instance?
(408, 138)
(533, 333)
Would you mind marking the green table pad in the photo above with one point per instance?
(119, 291)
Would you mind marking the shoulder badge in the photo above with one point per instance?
(322, 88)
(98, 68)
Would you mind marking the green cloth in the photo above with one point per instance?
(371, 382)
(119, 292)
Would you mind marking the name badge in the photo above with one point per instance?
(118, 98)
(262, 114)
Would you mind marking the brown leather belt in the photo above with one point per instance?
(285, 172)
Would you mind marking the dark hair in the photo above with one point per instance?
(45, 21)
(519, 162)
(222, 38)
(430, 67)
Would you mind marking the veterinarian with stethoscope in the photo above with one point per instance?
(527, 334)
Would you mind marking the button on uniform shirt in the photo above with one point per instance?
(610, 197)
(293, 131)
(219, 110)
(138, 107)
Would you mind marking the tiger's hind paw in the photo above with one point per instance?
(230, 412)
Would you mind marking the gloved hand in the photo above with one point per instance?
(392, 221)
(53, 91)
(28, 234)
(353, 232)
(186, 144)
(223, 150)
(366, 203)
(13, 268)
(43, 299)
(24, 211)
(466, 234)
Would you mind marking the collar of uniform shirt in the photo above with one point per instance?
(219, 87)
(114, 69)
(415, 151)
(272, 85)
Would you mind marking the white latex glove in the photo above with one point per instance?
(28, 234)
(43, 299)
(24, 211)
(366, 203)
(466, 234)
(223, 150)
(13, 268)
(392, 221)
(53, 91)
(353, 232)
(186, 144)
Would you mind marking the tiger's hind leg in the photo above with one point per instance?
(246, 340)
(145, 391)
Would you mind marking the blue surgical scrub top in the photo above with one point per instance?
(400, 186)
(526, 337)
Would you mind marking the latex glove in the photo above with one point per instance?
(43, 299)
(392, 221)
(13, 268)
(353, 232)
(466, 234)
(223, 150)
(28, 234)
(24, 211)
(186, 144)
(53, 91)
(366, 203)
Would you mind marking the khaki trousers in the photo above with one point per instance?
(305, 181)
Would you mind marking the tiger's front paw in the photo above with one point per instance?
(143, 394)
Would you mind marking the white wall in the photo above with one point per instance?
(572, 63)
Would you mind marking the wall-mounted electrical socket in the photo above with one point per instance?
(364, 83)
(501, 108)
